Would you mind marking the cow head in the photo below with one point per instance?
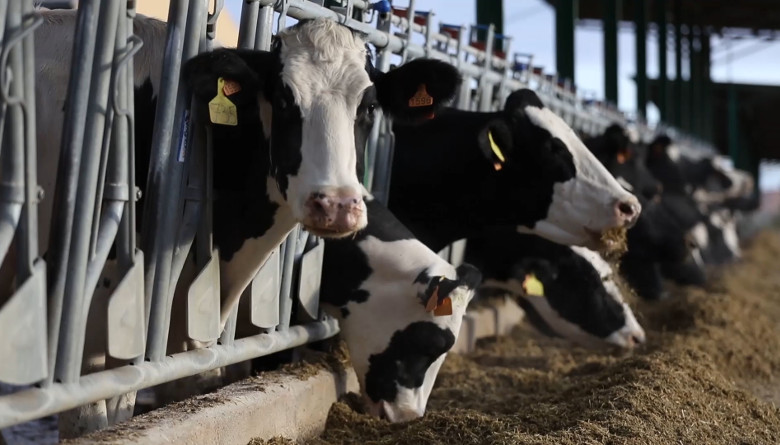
(317, 92)
(399, 377)
(625, 160)
(574, 197)
(662, 161)
(579, 299)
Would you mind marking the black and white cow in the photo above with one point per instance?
(383, 284)
(316, 92)
(522, 166)
(625, 160)
(710, 185)
(581, 300)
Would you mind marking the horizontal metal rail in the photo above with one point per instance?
(34, 403)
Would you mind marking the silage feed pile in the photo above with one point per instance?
(708, 375)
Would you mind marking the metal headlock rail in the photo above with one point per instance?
(46, 314)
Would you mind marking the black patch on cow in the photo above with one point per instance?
(522, 98)
(286, 136)
(345, 266)
(572, 286)
(444, 185)
(344, 269)
(469, 275)
(406, 359)
(534, 317)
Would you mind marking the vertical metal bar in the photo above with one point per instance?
(409, 31)
(660, 20)
(76, 295)
(565, 13)
(678, 63)
(12, 77)
(640, 22)
(69, 168)
(706, 79)
(247, 29)
(485, 88)
(265, 25)
(285, 296)
(28, 229)
(611, 14)
(694, 82)
(166, 170)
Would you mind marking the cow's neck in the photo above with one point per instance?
(245, 263)
(440, 178)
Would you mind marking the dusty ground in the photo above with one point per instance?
(708, 375)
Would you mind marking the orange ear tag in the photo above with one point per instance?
(621, 158)
(433, 301)
(445, 308)
(231, 87)
(497, 166)
(421, 98)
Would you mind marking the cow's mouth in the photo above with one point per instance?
(611, 243)
(328, 232)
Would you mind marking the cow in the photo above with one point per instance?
(580, 300)
(317, 92)
(625, 160)
(384, 287)
(522, 166)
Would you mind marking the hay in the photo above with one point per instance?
(707, 375)
(614, 243)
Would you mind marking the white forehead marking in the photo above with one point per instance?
(626, 185)
(322, 57)
(673, 152)
(588, 167)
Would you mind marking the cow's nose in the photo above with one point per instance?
(627, 211)
(337, 212)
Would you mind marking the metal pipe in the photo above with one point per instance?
(186, 24)
(109, 226)
(68, 169)
(12, 146)
(76, 295)
(35, 402)
(265, 26)
(246, 30)
(285, 293)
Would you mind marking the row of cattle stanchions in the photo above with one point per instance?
(95, 211)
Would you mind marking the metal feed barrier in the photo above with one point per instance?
(46, 314)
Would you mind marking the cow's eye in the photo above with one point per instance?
(370, 110)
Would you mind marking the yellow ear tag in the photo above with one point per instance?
(421, 98)
(532, 286)
(221, 110)
(496, 151)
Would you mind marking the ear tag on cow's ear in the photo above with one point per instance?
(533, 286)
(444, 308)
(221, 110)
(496, 151)
(231, 87)
(433, 301)
(421, 98)
(621, 158)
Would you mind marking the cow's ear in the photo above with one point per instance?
(244, 71)
(496, 143)
(520, 99)
(415, 91)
